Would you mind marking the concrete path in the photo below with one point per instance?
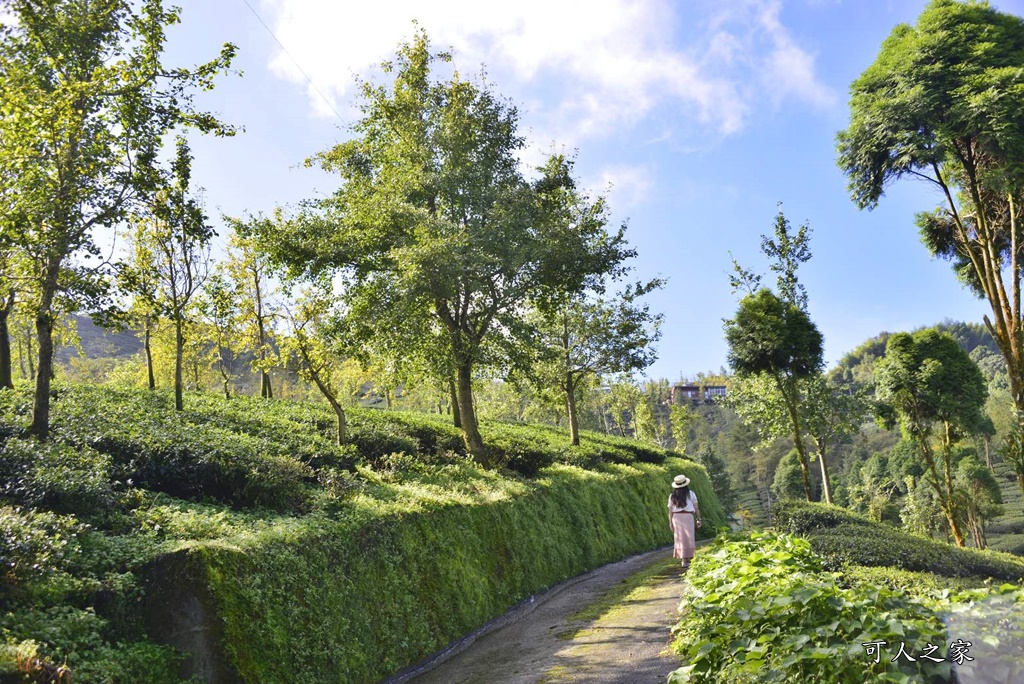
(609, 626)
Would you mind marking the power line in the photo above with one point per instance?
(294, 61)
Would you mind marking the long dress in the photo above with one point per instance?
(683, 528)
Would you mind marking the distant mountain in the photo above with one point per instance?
(99, 343)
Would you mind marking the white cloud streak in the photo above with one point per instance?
(584, 70)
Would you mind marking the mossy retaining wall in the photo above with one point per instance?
(358, 598)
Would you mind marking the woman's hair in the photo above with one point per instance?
(680, 496)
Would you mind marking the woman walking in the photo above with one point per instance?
(684, 518)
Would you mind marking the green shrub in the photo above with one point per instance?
(409, 541)
(762, 609)
(410, 564)
(55, 476)
(519, 452)
(846, 538)
(153, 447)
(800, 517)
(914, 584)
(1009, 543)
(34, 545)
(375, 439)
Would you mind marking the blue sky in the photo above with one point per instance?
(700, 116)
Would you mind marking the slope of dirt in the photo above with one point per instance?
(609, 626)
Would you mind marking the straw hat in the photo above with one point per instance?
(680, 481)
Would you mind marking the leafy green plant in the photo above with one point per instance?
(762, 609)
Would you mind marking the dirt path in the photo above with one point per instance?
(609, 626)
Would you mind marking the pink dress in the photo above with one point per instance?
(683, 528)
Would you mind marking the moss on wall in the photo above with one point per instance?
(380, 585)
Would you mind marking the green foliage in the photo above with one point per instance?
(440, 554)
(788, 482)
(916, 584)
(762, 608)
(941, 103)
(444, 245)
(769, 335)
(587, 336)
(89, 79)
(55, 477)
(34, 545)
(927, 377)
(418, 536)
(842, 537)
(715, 468)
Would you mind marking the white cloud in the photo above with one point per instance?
(627, 186)
(586, 70)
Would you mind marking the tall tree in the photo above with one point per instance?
(943, 103)
(831, 414)
(435, 220)
(926, 380)
(86, 104)
(8, 299)
(219, 309)
(979, 497)
(313, 344)
(583, 337)
(181, 240)
(250, 271)
(775, 344)
(138, 277)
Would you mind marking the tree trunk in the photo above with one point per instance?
(945, 503)
(454, 399)
(265, 388)
(826, 484)
(340, 413)
(21, 357)
(31, 358)
(6, 375)
(798, 438)
(224, 373)
(41, 409)
(947, 447)
(179, 352)
(570, 407)
(149, 355)
(988, 451)
(467, 414)
(44, 332)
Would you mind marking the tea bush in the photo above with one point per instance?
(843, 537)
(410, 563)
(55, 476)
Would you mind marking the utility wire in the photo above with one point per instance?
(294, 61)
